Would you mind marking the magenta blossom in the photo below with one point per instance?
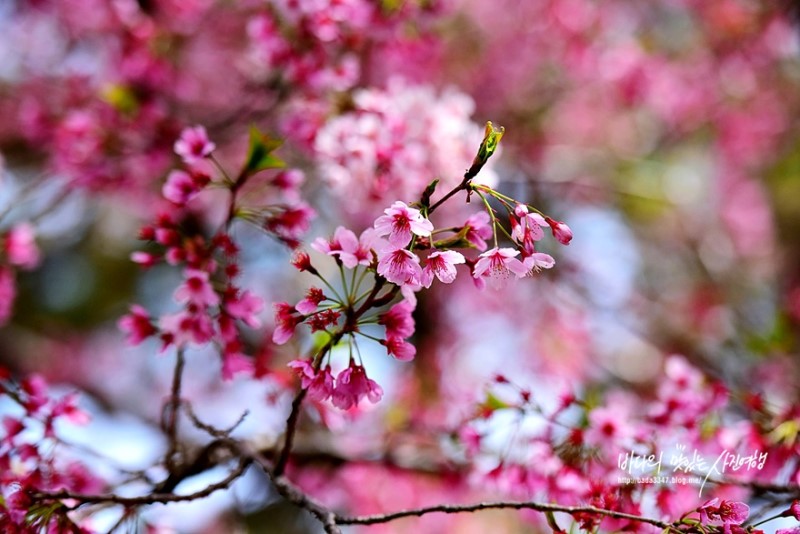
(499, 264)
(246, 307)
(723, 512)
(399, 348)
(347, 247)
(442, 264)
(186, 327)
(318, 383)
(8, 292)
(400, 222)
(479, 230)
(181, 186)
(527, 229)
(234, 362)
(561, 231)
(398, 320)
(352, 385)
(286, 320)
(20, 246)
(136, 325)
(399, 266)
(309, 304)
(538, 261)
(194, 145)
(197, 289)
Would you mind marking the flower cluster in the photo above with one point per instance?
(212, 301)
(401, 249)
(28, 459)
(17, 250)
(394, 141)
(318, 47)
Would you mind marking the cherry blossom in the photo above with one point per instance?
(398, 320)
(560, 230)
(311, 302)
(194, 145)
(318, 383)
(400, 222)
(479, 230)
(399, 266)
(498, 264)
(137, 324)
(197, 289)
(352, 385)
(441, 264)
(20, 246)
(724, 512)
(286, 320)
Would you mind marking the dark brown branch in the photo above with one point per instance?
(171, 412)
(522, 505)
(292, 493)
(291, 429)
(163, 498)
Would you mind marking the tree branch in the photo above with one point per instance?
(153, 498)
(516, 505)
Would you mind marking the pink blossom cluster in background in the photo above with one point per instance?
(269, 246)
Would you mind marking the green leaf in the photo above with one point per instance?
(120, 97)
(259, 154)
(493, 403)
(458, 240)
(491, 139)
(426, 195)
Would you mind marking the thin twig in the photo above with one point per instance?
(141, 500)
(172, 411)
(293, 494)
(516, 505)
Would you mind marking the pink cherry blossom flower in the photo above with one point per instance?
(530, 224)
(234, 362)
(186, 327)
(793, 510)
(193, 145)
(290, 224)
(538, 261)
(561, 231)
(245, 307)
(12, 427)
(311, 302)
(347, 247)
(181, 186)
(399, 266)
(302, 261)
(67, 406)
(527, 229)
(8, 292)
(352, 385)
(442, 264)
(399, 348)
(318, 383)
(356, 251)
(137, 325)
(723, 512)
(793, 530)
(400, 222)
(479, 229)
(144, 259)
(197, 289)
(398, 320)
(498, 264)
(20, 246)
(286, 320)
